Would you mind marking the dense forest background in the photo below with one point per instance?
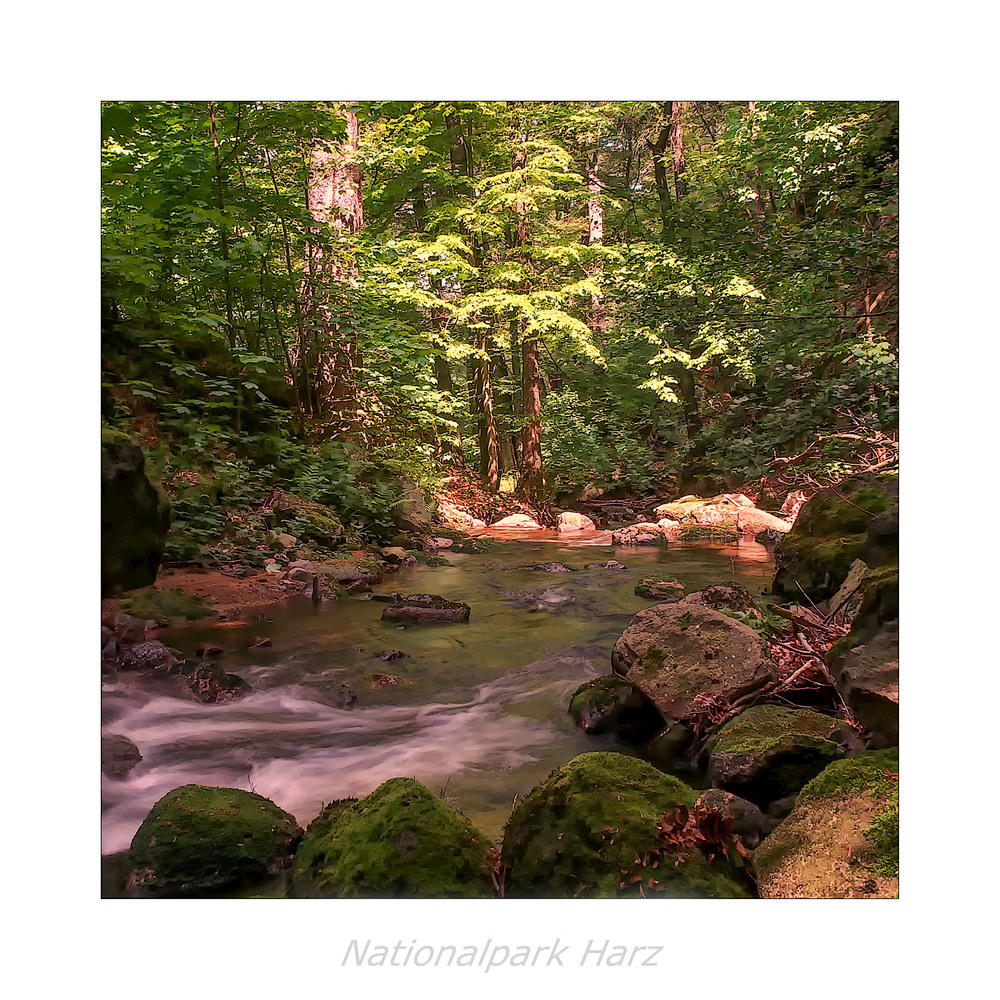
(563, 299)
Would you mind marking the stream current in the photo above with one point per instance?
(479, 713)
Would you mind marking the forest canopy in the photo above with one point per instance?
(641, 296)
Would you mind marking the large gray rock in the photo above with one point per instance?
(868, 678)
(571, 521)
(135, 516)
(674, 652)
(412, 512)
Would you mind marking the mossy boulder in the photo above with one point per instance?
(401, 841)
(770, 751)
(361, 569)
(841, 840)
(831, 531)
(315, 521)
(674, 652)
(167, 605)
(581, 831)
(477, 544)
(135, 516)
(610, 704)
(198, 840)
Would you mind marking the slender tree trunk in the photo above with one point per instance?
(758, 202)
(531, 484)
(595, 238)
(658, 149)
(677, 145)
(489, 449)
(531, 441)
(223, 228)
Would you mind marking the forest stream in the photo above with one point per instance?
(478, 711)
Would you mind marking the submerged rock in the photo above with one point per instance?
(135, 516)
(149, 655)
(610, 704)
(478, 544)
(198, 840)
(401, 841)
(768, 752)
(586, 827)
(547, 567)
(841, 840)
(210, 684)
(674, 652)
(425, 609)
(659, 588)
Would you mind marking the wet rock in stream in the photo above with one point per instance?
(118, 755)
(425, 609)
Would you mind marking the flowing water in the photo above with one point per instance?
(479, 713)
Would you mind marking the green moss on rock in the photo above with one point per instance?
(198, 840)
(581, 830)
(477, 544)
(770, 751)
(875, 773)
(401, 841)
(609, 703)
(167, 605)
(830, 532)
(842, 838)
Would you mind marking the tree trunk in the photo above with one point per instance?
(677, 145)
(223, 228)
(758, 202)
(489, 450)
(660, 174)
(532, 486)
(333, 199)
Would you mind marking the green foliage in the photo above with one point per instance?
(743, 321)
